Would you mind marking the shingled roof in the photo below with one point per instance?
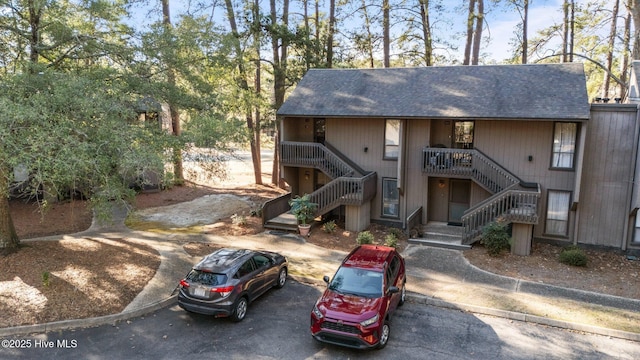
(541, 91)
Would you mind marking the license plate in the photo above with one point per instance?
(200, 291)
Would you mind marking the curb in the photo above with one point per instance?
(511, 315)
(89, 322)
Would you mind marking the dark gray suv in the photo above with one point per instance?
(224, 282)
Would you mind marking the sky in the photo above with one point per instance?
(500, 24)
(542, 14)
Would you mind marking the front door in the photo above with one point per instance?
(459, 199)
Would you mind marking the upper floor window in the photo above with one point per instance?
(391, 138)
(564, 145)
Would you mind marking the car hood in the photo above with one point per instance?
(348, 307)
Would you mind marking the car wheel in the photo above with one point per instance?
(384, 335)
(240, 310)
(282, 278)
(403, 295)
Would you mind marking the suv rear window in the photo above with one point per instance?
(206, 278)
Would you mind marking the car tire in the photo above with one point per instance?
(282, 278)
(385, 331)
(240, 309)
(403, 295)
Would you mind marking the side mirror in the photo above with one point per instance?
(326, 279)
(393, 289)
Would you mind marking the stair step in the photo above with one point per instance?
(456, 245)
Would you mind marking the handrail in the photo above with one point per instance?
(347, 186)
(515, 204)
(314, 155)
(344, 191)
(470, 163)
(274, 207)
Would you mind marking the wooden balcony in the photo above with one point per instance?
(512, 201)
(349, 186)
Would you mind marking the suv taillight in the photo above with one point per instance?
(184, 283)
(223, 291)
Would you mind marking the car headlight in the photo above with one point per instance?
(317, 312)
(370, 321)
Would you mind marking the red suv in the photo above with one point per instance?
(356, 307)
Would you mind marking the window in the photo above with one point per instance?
(564, 145)
(391, 139)
(463, 134)
(390, 198)
(245, 269)
(636, 233)
(558, 212)
(261, 261)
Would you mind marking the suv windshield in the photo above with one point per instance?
(360, 282)
(206, 278)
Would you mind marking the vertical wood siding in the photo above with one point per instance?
(510, 143)
(607, 177)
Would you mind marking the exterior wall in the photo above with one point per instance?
(608, 176)
(350, 137)
(297, 129)
(510, 143)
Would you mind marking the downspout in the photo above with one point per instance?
(631, 188)
(578, 183)
(402, 169)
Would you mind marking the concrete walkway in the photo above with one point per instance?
(436, 277)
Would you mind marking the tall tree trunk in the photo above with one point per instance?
(626, 41)
(243, 83)
(175, 116)
(369, 39)
(634, 8)
(477, 36)
(8, 237)
(469, 42)
(426, 32)
(332, 29)
(525, 25)
(565, 32)
(255, 144)
(279, 46)
(612, 39)
(572, 29)
(386, 41)
(35, 15)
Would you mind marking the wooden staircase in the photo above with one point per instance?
(513, 200)
(349, 185)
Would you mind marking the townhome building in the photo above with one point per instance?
(462, 147)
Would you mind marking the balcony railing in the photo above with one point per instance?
(469, 164)
(345, 191)
(515, 204)
(348, 186)
(314, 155)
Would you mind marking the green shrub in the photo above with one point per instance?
(330, 227)
(574, 256)
(396, 232)
(496, 238)
(391, 240)
(257, 212)
(46, 278)
(364, 237)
